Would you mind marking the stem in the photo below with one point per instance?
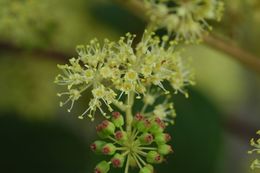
(143, 162)
(119, 105)
(141, 153)
(137, 161)
(144, 108)
(127, 164)
(121, 148)
(113, 139)
(230, 48)
(129, 115)
(147, 148)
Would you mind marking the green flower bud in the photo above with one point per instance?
(162, 138)
(165, 149)
(143, 125)
(146, 139)
(137, 118)
(117, 119)
(100, 132)
(118, 161)
(157, 126)
(121, 136)
(154, 157)
(102, 167)
(105, 129)
(97, 146)
(147, 169)
(109, 149)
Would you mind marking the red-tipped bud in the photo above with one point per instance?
(118, 161)
(154, 157)
(121, 136)
(105, 129)
(137, 118)
(97, 146)
(102, 167)
(109, 149)
(143, 125)
(165, 149)
(117, 119)
(157, 126)
(162, 138)
(146, 139)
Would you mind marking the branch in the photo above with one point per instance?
(244, 57)
(51, 54)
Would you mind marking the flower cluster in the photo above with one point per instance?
(117, 69)
(184, 19)
(256, 144)
(144, 146)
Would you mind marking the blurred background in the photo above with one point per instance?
(213, 127)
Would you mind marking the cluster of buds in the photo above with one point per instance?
(145, 145)
(184, 19)
(256, 144)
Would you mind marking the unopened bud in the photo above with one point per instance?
(154, 157)
(165, 149)
(105, 129)
(117, 119)
(162, 138)
(121, 136)
(118, 161)
(157, 126)
(97, 146)
(146, 139)
(102, 167)
(109, 149)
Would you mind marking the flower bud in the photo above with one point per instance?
(165, 149)
(121, 136)
(146, 139)
(102, 167)
(118, 161)
(143, 125)
(105, 129)
(154, 157)
(157, 126)
(137, 118)
(162, 138)
(97, 146)
(109, 149)
(147, 169)
(117, 119)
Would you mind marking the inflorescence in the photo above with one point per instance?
(117, 75)
(116, 70)
(184, 19)
(256, 144)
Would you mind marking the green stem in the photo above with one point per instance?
(127, 164)
(143, 162)
(141, 153)
(113, 139)
(147, 148)
(120, 105)
(136, 160)
(129, 115)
